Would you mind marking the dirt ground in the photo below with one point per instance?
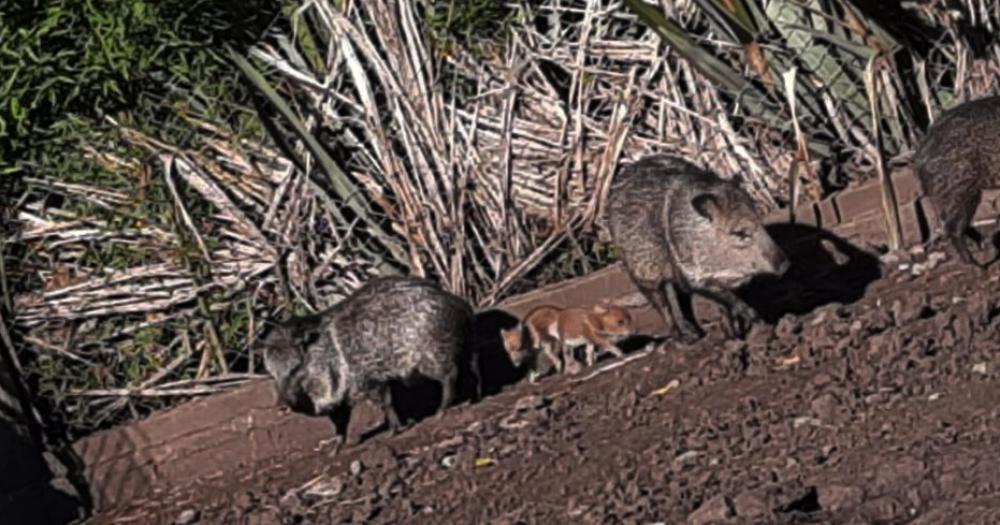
(881, 406)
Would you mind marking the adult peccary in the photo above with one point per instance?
(389, 329)
(682, 230)
(956, 160)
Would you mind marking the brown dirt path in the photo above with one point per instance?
(886, 410)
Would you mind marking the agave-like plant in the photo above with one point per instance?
(848, 85)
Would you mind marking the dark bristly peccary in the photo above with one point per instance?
(390, 329)
(683, 230)
(956, 160)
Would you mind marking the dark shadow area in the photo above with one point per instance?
(638, 342)
(494, 365)
(806, 503)
(630, 344)
(420, 399)
(825, 268)
(28, 491)
(27, 494)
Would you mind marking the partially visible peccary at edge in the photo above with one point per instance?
(956, 160)
(682, 230)
(389, 329)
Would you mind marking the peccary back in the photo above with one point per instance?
(955, 161)
(679, 226)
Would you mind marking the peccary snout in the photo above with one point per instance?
(777, 261)
(728, 242)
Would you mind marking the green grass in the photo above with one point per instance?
(68, 68)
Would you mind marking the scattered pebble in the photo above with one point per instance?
(980, 368)
(687, 456)
(325, 488)
(803, 421)
(529, 403)
(715, 510)
(188, 517)
(356, 468)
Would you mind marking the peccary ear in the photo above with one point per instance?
(599, 308)
(707, 205)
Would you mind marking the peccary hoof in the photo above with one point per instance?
(741, 320)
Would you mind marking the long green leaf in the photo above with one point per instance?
(732, 16)
(349, 193)
(829, 69)
(705, 62)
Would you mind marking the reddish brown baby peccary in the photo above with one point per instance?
(389, 329)
(956, 160)
(683, 230)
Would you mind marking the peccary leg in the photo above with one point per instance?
(340, 417)
(477, 374)
(570, 364)
(957, 219)
(447, 390)
(591, 354)
(740, 315)
(549, 349)
(391, 417)
(605, 345)
(612, 349)
(687, 330)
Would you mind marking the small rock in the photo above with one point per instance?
(839, 257)
(448, 461)
(686, 457)
(749, 505)
(980, 368)
(715, 510)
(803, 421)
(529, 403)
(889, 258)
(824, 407)
(760, 334)
(934, 397)
(900, 473)
(356, 467)
(326, 488)
(820, 380)
(187, 517)
(788, 326)
(838, 497)
(884, 509)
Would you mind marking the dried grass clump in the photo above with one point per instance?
(394, 150)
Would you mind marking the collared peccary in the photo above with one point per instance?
(683, 230)
(389, 329)
(554, 332)
(956, 160)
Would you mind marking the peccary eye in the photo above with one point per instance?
(741, 234)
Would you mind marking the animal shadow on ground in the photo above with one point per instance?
(421, 398)
(825, 268)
